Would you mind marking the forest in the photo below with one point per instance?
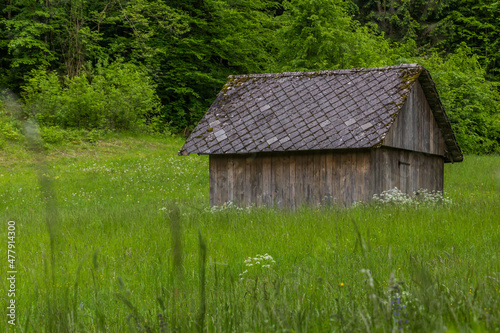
(155, 66)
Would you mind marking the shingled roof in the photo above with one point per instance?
(341, 109)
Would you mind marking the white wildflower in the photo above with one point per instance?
(255, 264)
(421, 197)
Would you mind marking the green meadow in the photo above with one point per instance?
(118, 236)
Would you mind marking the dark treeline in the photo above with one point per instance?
(128, 64)
(440, 25)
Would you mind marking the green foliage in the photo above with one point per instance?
(474, 22)
(57, 135)
(316, 35)
(10, 128)
(403, 20)
(436, 268)
(9, 131)
(25, 27)
(470, 100)
(440, 25)
(44, 97)
(224, 38)
(119, 96)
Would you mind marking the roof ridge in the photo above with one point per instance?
(335, 71)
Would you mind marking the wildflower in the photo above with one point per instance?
(227, 206)
(421, 197)
(253, 264)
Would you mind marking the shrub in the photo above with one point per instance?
(52, 134)
(116, 96)
(471, 101)
(9, 131)
(10, 128)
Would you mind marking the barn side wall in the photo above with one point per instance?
(415, 127)
(291, 179)
(319, 177)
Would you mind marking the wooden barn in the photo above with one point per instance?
(331, 136)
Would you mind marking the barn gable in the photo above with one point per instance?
(343, 109)
(415, 127)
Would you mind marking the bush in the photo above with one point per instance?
(10, 128)
(117, 96)
(471, 102)
(52, 134)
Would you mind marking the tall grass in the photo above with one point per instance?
(136, 249)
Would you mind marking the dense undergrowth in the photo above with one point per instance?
(125, 240)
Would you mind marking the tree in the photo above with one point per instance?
(476, 23)
(224, 37)
(322, 34)
(471, 102)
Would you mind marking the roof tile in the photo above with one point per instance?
(310, 110)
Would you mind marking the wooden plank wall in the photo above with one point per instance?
(291, 179)
(322, 177)
(415, 127)
(406, 170)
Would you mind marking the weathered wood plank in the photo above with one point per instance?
(360, 171)
(212, 167)
(369, 174)
(426, 173)
(285, 164)
(411, 173)
(300, 185)
(266, 181)
(403, 171)
(309, 178)
(230, 178)
(222, 180)
(329, 166)
(423, 136)
(323, 184)
(316, 183)
(419, 171)
(352, 178)
(345, 159)
(292, 191)
(239, 180)
(388, 172)
(337, 185)
(431, 174)
(256, 179)
(427, 132)
(247, 198)
(276, 181)
(375, 170)
(407, 126)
